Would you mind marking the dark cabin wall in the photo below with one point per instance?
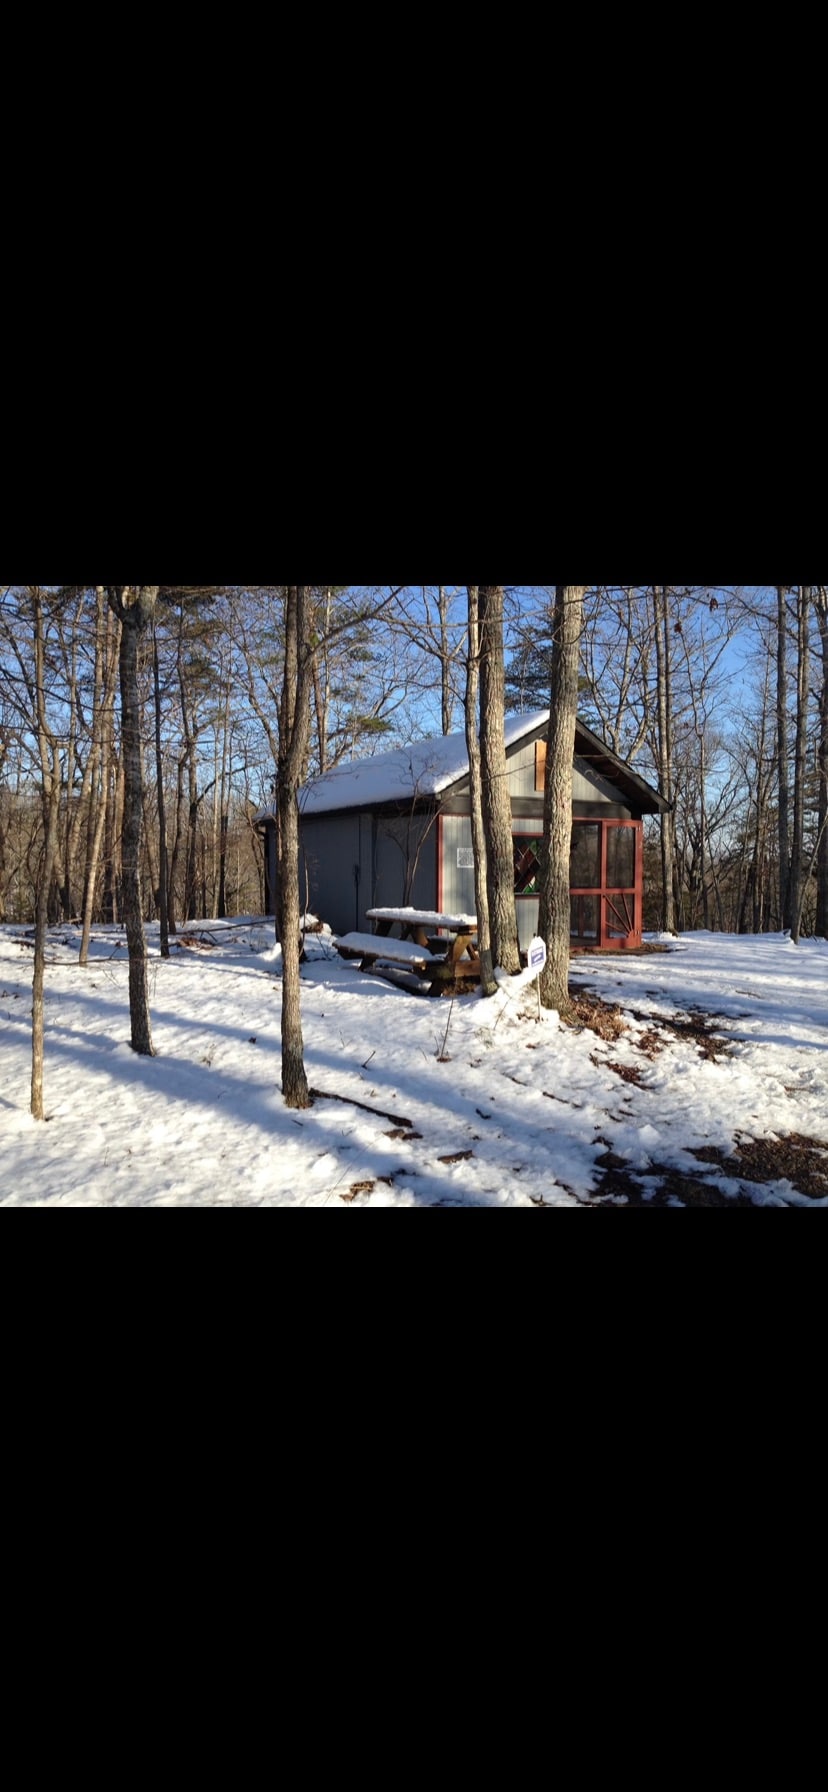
(350, 863)
(405, 862)
(331, 872)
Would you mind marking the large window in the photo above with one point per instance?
(620, 858)
(605, 902)
(585, 856)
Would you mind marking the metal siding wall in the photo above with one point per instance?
(458, 881)
(589, 787)
(528, 909)
(424, 894)
(522, 772)
(330, 845)
(399, 843)
(366, 871)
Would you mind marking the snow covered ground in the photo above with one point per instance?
(473, 1103)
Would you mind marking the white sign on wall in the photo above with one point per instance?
(465, 858)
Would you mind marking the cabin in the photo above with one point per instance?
(395, 831)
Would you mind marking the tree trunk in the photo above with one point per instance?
(135, 606)
(665, 757)
(172, 890)
(112, 837)
(803, 666)
(4, 747)
(446, 704)
(103, 722)
(782, 753)
(481, 891)
(41, 930)
(49, 753)
(554, 918)
(294, 737)
(821, 602)
(163, 867)
(497, 804)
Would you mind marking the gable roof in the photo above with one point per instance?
(427, 769)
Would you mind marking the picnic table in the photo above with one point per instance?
(424, 926)
(419, 946)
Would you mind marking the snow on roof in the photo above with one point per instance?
(425, 768)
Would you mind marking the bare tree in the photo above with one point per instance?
(821, 606)
(497, 806)
(783, 755)
(49, 753)
(481, 890)
(664, 698)
(107, 644)
(5, 741)
(554, 918)
(294, 739)
(134, 606)
(798, 879)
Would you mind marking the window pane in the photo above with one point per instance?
(620, 858)
(583, 917)
(527, 867)
(585, 856)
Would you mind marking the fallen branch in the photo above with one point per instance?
(351, 1101)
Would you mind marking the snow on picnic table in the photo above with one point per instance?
(425, 917)
(474, 1102)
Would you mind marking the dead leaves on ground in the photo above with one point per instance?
(610, 1023)
(800, 1161)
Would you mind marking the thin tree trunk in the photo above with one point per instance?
(50, 772)
(135, 605)
(294, 736)
(445, 659)
(103, 723)
(497, 805)
(163, 868)
(224, 819)
(4, 747)
(821, 927)
(554, 918)
(665, 757)
(803, 667)
(67, 907)
(172, 893)
(782, 753)
(112, 837)
(41, 932)
(481, 890)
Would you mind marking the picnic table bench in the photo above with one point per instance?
(369, 947)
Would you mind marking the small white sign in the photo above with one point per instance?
(536, 956)
(465, 858)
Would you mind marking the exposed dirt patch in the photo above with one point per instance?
(609, 1021)
(622, 1188)
(627, 1072)
(642, 951)
(793, 1158)
(603, 1018)
(801, 1161)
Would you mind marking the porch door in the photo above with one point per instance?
(585, 857)
(623, 883)
(606, 884)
